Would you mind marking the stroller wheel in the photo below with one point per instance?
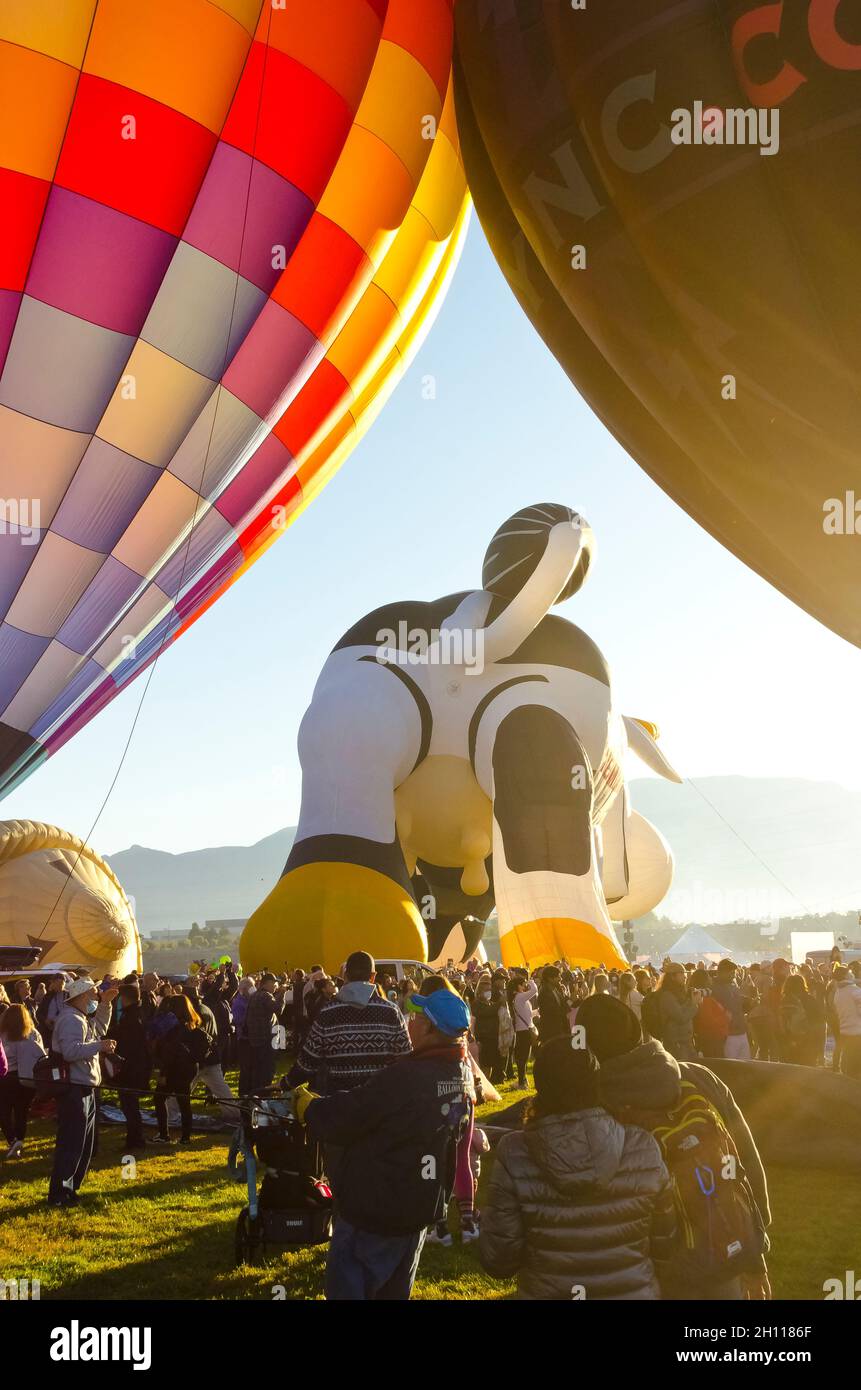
(248, 1242)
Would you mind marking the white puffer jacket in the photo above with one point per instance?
(76, 1037)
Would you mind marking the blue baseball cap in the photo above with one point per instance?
(445, 1009)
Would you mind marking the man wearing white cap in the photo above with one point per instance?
(79, 1038)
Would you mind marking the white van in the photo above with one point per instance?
(817, 958)
(404, 970)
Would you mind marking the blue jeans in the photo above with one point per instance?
(363, 1266)
(76, 1140)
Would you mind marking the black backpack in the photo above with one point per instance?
(181, 1052)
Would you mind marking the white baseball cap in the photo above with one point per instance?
(79, 987)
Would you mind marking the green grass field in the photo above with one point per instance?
(168, 1232)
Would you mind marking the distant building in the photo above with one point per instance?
(232, 924)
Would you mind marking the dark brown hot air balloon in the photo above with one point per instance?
(673, 191)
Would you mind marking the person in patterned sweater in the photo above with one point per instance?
(354, 1036)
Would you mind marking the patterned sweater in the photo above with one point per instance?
(352, 1038)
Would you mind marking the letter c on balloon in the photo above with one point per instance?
(828, 45)
(834, 50)
(764, 20)
(620, 100)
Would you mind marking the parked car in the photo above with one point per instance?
(405, 970)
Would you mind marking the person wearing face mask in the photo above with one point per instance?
(79, 1039)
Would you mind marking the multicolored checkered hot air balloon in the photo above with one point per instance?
(226, 226)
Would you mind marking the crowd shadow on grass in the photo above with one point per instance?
(93, 1199)
(198, 1265)
(105, 1185)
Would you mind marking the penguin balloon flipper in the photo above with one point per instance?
(642, 740)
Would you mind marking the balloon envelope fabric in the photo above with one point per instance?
(57, 893)
(227, 227)
(673, 192)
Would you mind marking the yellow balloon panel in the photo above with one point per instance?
(57, 893)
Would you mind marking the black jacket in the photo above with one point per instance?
(149, 1006)
(486, 1021)
(217, 997)
(208, 1027)
(217, 1001)
(398, 1132)
(552, 1013)
(178, 1054)
(132, 1047)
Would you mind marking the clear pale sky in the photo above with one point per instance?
(739, 680)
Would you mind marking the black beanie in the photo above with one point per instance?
(611, 1027)
(566, 1077)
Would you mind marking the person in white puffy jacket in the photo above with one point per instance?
(79, 1038)
(847, 1007)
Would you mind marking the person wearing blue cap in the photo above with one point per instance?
(399, 1135)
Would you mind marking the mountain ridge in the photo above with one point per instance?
(744, 847)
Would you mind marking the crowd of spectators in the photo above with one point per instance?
(582, 1196)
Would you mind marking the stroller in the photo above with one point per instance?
(294, 1205)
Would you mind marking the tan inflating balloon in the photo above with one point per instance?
(58, 893)
(650, 869)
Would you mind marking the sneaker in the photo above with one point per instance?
(468, 1232)
(66, 1199)
(15, 1149)
(440, 1235)
(164, 1141)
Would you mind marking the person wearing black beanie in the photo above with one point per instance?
(611, 1028)
(566, 1079)
(578, 1204)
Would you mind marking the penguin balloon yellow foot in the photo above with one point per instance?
(319, 913)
